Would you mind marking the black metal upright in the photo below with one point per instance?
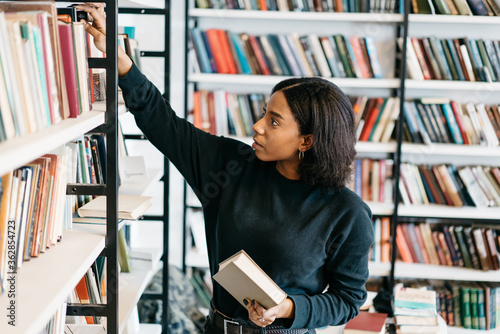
(399, 138)
(110, 189)
(165, 54)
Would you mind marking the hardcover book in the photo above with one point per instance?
(244, 279)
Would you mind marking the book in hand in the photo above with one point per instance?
(129, 207)
(366, 323)
(244, 279)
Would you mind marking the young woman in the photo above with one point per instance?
(283, 200)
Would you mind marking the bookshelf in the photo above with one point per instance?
(394, 84)
(44, 283)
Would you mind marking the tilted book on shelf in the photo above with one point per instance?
(129, 207)
(244, 279)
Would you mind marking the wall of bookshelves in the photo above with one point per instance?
(385, 28)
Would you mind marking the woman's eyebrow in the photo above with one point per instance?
(274, 113)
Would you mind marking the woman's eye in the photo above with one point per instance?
(273, 122)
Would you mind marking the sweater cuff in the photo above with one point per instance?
(302, 310)
(131, 80)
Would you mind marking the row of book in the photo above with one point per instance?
(223, 113)
(372, 180)
(225, 52)
(376, 117)
(440, 120)
(338, 6)
(456, 7)
(381, 248)
(44, 68)
(34, 202)
(471, 305)
(463, 59)
(450, 185)
(449, 245)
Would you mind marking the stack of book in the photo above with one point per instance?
(415, 310)
(373, 180)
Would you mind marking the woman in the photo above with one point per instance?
(283, 200)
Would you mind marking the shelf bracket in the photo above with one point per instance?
(85, 189)
(90, 310)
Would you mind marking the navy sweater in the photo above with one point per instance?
(313, 242)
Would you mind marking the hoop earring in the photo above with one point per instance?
(301, 155)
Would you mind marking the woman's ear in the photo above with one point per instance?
(308, 141)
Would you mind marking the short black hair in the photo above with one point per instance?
(323, 110)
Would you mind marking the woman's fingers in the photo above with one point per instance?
(98, 15)
(258, 314)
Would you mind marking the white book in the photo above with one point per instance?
(129, 207)
(244, 279)
(475, 192)
(486, 125)
(414, 69)
(320, 56)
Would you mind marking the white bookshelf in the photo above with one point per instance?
(454, 19)
(295, 16)
(381, 269)
(461, 330)
(428, 271)
(195, 258)
(452, 85)
(43, 283)
(443, 211)
(271, 80)
(149, 329)
(132, 285)
(452, 150)
(21, 150)
(381, 209)
(141, 3)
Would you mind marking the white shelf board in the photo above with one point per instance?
(141, 3)
(132, 286)
(443, 211)
(154, 176)
(295, 16)
(420, 270)
(461, 330)
(381, 209)
(451, 150)
(458, 19)
(271, 80)
(149, 329)
(43, 283)
(379, 268)
(369, 147)
(21, 150)
(452, 85)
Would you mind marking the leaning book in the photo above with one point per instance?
(244, 279)
(129, 207)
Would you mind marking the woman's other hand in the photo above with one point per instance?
(264, 317)
(98, 31)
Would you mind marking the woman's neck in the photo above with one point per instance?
(288, 170)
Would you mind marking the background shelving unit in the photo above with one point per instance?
(397, 84)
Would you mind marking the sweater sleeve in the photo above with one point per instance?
(346, 269)
(198, 155)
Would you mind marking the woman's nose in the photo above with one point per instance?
(257, 127)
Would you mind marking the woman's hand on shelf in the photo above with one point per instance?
(98, 31)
